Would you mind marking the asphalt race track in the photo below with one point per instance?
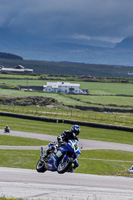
(28, 184)
(85, 144)
(32, 185)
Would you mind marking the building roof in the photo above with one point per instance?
(57, 84)
(15, 70)
(19, 67)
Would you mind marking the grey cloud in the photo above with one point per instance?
(50, 18)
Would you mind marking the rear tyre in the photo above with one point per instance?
(40, 167)
(64, 166)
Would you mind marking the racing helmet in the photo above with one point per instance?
(75, 129)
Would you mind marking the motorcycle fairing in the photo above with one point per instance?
(54, 158)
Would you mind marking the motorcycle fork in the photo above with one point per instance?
(65, 157)
(41, 153)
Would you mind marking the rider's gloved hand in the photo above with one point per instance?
(59, 139)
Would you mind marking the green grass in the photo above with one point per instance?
(99, 101)
(22, 93)
(99, 97)
(49, 128)
(97, 88)
(103, 88)
(33, 126)
(102, 167)
(19, 76)
(25, 82)
(113, 162)
(59, 112)
(19, 159)
(106, 100)
(9, 198)
(111, 155)
(105, 162)
(20, 141)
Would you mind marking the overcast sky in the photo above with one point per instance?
(108, 20)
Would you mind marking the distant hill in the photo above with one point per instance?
(10, 56)
(126, 43)
(32, 48)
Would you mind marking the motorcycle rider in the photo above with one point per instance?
(63, 140)
(69, 135)
(7, 129)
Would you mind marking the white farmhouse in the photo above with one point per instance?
(65, 87)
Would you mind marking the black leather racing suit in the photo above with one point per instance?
(64, 137)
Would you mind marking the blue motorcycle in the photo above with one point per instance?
(61, 158)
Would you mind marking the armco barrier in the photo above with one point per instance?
(97, 125)
(46, 119)
(81, 123)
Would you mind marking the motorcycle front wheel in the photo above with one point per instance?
(40, 167)
(64, 166)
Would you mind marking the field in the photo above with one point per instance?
(94, 87)
(99, 134)
(56, 129)
(102, 94)
(98, 109)
(108, 102)
(16, 141)
(105, 162)
(77, 99)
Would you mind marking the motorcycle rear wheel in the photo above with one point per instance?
(40, 167)
(63, 167)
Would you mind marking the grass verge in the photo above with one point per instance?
(20, 141)
(105, 162)
(8, 198)
(57, 128)
(108, 113)
(102, 162)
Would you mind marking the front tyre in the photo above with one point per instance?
(40, 167)
(64, 166)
